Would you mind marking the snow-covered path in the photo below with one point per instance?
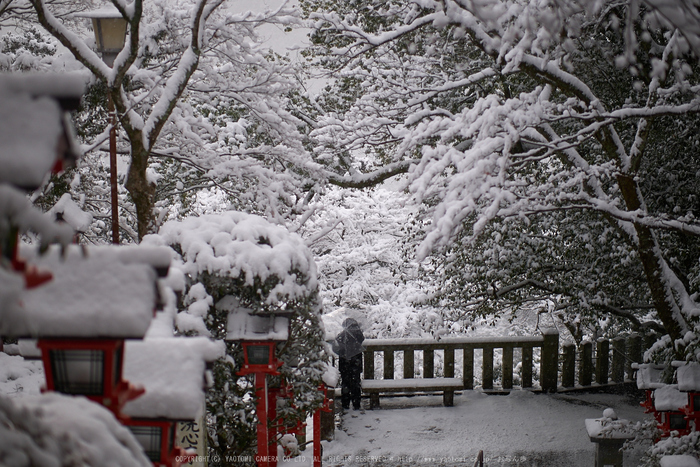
(518, 430)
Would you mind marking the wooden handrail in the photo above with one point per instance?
(549, 342)
(452, 342)
(589, 364)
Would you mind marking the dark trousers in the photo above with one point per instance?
(350, 369)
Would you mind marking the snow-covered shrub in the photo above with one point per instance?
(241, 260)
(673, 445)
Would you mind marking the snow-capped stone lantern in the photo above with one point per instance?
(172, 371)
(259, 334)
(688, 375)
(609, 435)
(98, 297)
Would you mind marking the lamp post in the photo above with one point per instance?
(259, 334)
(110, 33)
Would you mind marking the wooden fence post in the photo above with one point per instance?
(585, 372)
(487, 368)
(507, 367)
(409, 364)
(618, 360)
(369, 364)
(549, 367)
(634, 354)
(468, 368)
(388, 364)
(602, 361)
(568, 366)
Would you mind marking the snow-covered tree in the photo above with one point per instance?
(200, 102)
(540, 125)
(358, 239)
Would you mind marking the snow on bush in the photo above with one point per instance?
(233, 257)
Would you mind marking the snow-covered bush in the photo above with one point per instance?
(242, 259)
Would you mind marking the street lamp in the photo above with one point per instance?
(110, 33)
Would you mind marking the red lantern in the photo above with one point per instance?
(259, 333)
(88, 367)
(157, 437)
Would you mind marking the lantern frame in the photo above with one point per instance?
(269, 367)
(168, 454)
(110, 29)
(106, 356)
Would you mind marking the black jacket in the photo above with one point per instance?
(348, 342)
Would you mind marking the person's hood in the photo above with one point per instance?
(350, 323)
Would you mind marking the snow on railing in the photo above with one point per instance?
(595, 365)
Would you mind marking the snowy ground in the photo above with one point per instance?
(518, 430)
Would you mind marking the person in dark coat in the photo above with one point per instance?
(348, 346)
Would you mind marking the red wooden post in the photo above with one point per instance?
(263, 458)
(273, 429)
(317, 438)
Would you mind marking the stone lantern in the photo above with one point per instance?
(609, 435)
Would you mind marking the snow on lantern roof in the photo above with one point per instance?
(244, 325)
(172, 372)
(679, 460)
(609, 427)
(66, 88)
(669, 398)
(34, 132)
(95, 292)
(104, 12)
(649, 375)
(689, 377)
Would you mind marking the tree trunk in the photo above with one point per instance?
(653, 263)
(141, 190)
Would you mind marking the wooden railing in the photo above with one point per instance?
(602, 364)
(557, 371)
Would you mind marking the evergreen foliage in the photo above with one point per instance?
(253, 277)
